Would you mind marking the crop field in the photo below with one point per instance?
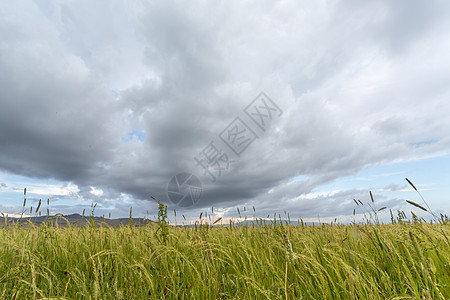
(267, 260)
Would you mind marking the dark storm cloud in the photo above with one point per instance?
(78, 78)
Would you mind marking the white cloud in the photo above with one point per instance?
(47, 190)
(96, 192)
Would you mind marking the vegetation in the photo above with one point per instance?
(226, 262)
(407, 259)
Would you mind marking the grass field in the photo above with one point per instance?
(404, 260)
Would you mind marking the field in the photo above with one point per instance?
(403, 260)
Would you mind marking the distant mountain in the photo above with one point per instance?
(269, 222)
(75, 220)
(258, 223)
(80, 221)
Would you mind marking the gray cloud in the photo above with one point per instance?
(360, 84)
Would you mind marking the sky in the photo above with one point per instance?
(296, 106)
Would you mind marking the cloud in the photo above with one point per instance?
(360, 84)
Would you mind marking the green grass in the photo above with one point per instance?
(406, 260)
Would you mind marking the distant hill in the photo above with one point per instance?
(258, 223)
(76, 220)
(270, 222)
